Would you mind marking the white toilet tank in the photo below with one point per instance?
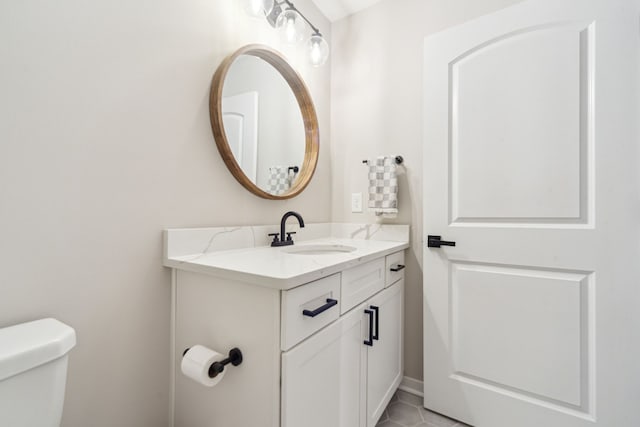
(33, 372)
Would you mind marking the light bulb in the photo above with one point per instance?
(318, 50)
(291, 26)
(258, 8)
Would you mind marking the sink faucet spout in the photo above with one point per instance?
(288, 240)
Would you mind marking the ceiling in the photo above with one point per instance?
(338, 9)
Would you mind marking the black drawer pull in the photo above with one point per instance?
(376, 310)
(369, 342)
(330, 303)
(397, 267)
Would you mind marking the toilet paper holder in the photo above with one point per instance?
(216, 368)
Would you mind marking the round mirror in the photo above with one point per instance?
(264, 122)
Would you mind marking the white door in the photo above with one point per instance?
(384, 358)
(323, 377)
(531, 156)
(240, 119)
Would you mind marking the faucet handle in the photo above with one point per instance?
(289, 233)
(275, 237)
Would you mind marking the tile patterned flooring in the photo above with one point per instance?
(405, 410)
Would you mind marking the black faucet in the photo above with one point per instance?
(288, 241)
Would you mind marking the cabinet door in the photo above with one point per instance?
(385, 358)
(323, 377)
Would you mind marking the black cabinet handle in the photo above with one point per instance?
(330, 303)
(397, 267)
(436, 242)
(376, 310)
(369, 342)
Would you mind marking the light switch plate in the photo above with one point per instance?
(356, 202)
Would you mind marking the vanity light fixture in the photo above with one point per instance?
(318, 50)
(258, 8)
(290, 25)
(287, 19)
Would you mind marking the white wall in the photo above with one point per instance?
(376, 108)
(104, 141)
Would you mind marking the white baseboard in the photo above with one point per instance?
(413, 386)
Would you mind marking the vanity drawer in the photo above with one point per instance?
(359, 283)
(394, 268)
(309, 308)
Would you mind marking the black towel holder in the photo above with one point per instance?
(398, 159)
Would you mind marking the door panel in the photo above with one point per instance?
(542, 338)
(240, 118)
(531, 80)
(532, 147)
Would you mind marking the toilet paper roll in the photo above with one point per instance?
(196, 362)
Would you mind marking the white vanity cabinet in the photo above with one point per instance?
(324, 354)
(384, 357)
(323, 378)
(345, 375)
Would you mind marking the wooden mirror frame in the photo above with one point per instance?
(305, 102)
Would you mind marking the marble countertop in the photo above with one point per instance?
(274, 267)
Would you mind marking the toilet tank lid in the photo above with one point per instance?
(28, 345)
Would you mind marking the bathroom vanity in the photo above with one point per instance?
(319, 323)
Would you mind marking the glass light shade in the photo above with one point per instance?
(318, 50)
(258, 8)
(291, 26)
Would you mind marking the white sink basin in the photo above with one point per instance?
(322, 249)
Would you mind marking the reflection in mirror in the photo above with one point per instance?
(263, 124)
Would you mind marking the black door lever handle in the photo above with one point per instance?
(436, 242)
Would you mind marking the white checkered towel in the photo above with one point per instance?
(280, 179)
(278, 182)
(383, 186)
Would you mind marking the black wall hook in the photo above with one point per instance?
(216, 368)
